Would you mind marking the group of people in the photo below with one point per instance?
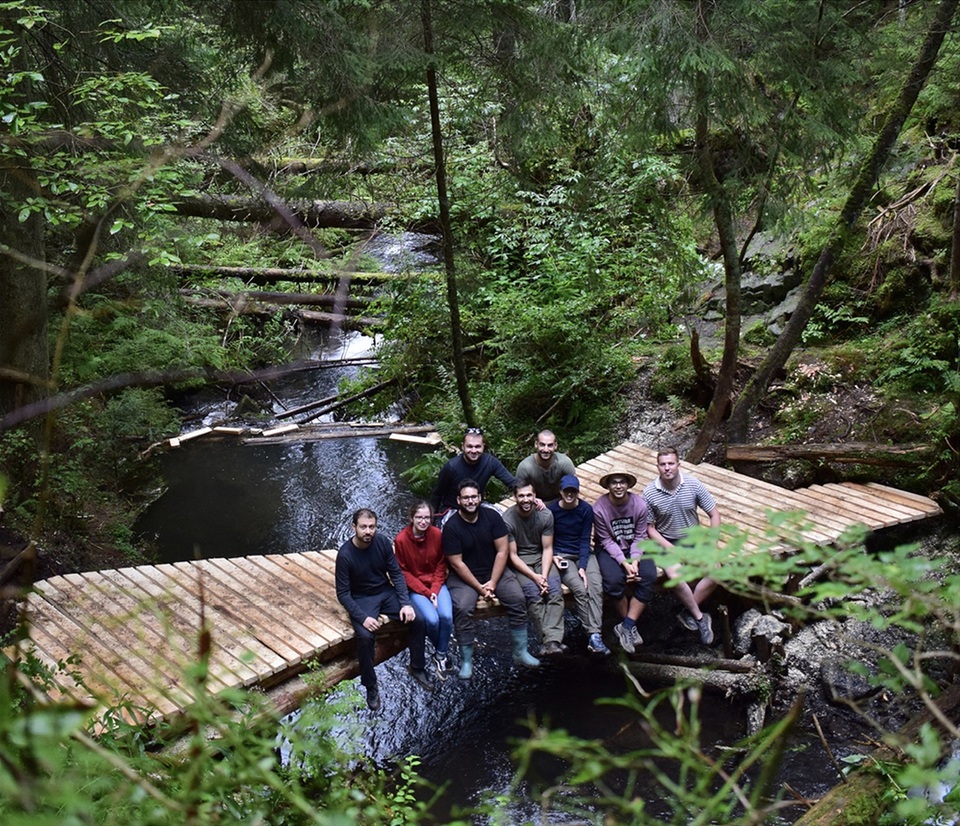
(456, 549)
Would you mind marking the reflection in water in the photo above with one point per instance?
(224, 499)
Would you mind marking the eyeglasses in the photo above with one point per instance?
(421, 518)
(473, 431)
(473, 498)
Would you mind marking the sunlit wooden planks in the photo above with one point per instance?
(136, 631)
(829, 510)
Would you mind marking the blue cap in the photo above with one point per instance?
(569, 481)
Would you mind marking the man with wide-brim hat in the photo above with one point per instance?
(619, 528)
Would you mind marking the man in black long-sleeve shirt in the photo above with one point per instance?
(364, 563)
(473, 463)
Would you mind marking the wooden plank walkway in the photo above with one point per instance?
(133, 632)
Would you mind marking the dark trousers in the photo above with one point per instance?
(388, 603)
(465, 599)
(615, 583)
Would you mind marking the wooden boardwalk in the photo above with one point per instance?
(132, 633)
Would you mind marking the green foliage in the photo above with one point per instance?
(673, 375)
(219, 765)
(924, 353)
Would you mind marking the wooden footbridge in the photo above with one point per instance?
(125, 638)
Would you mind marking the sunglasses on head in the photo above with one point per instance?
(473, 431)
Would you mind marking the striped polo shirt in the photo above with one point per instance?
(673, 512)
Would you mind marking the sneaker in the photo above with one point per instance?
(442, 665)
(373, 699)
(595, 645)
(705, 627)
(629, 639)
(685, 618)
(551, 649)
(421, 677)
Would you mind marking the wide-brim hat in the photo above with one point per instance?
(605, 480)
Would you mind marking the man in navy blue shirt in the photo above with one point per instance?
(370, 583)
(473, 463)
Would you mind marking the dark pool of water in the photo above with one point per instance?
(465, 733)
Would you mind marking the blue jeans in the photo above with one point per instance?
(438, 618)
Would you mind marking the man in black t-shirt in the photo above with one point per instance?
(475, 543)
(370, 583)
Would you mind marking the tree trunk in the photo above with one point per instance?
(446, 228)
(331, 214)
(723, 218)
(854, 452)
(775, 360)
(24, 352)
(955, 245)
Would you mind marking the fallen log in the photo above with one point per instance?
(344, 322)
(726, 682)
(302, 299)
(863, 453)
(315, 433)
(328, 214)
(860, 799)
(344, 401)
(273, 275)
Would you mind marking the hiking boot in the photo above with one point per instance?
(705, 627)
(421, 677)
(550, 649)
(373, 699)
(442, 665)
(629, 637)
(595, 645)
(686, 620)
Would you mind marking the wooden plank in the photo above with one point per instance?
(277, 612)
(924, 503)
(134, 630)
(856, 513)
(159, 631)
(853, 491)
(224, 595)
(113, 664)
(182, 623)
(318, 610)
(323, 608)
(322, 576)
(52, 654)
(182, 611)
(890, 499)
(230, 644)
(98, 634)
(881, 513)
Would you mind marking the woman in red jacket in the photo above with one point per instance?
(424, 568)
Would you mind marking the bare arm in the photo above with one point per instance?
(458, 566)
(714, 518)
(656, 536)
(500, 563)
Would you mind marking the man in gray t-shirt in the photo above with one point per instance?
(544, 468)
(672, 502)
(531, 557)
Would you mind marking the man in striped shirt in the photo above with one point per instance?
(672, 502)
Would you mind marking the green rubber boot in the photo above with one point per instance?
(466, 662)
(521, 656)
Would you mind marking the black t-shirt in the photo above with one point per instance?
(474, 540)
